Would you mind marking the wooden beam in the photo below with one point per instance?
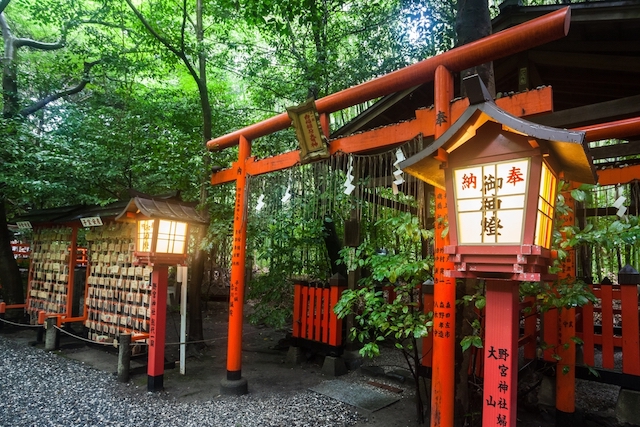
(618, 129)
(630, 148)
(522, 104)
(600, 212)
(594, 113)
(386, 136)
(272, 164)
(616, 63)
(618, 175)
(223, 176)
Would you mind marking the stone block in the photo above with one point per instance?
(628, 407)
(547, 392)
(333, 366)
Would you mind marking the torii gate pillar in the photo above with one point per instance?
(234, 383)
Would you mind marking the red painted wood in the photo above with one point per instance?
(565, 371)
(335, 324)
(317, 314)
(501, 354)
(427, 342)
(588, 346)
(326, 315)
(297, 309)
(304, 312)
(630, 330)
(157, 321)
(442, 374)
(607, 326)
(238, 259)
(550, 334)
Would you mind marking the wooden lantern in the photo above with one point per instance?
(500, 174)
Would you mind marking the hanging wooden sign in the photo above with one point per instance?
(306, 121)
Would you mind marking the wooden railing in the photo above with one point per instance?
(313, 316)
(611, 327)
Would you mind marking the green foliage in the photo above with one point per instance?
(562, 294)
(378, 319)
(274, 294)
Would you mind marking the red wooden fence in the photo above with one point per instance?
(611, 326)
(313, 316)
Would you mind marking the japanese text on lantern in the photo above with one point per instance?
(500, 398)
(490, 201)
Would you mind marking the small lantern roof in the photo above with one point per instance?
(569, 148)
(163, 209)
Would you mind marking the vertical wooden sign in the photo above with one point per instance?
(501, 354)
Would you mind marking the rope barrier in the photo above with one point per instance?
(193, 342)
(115, 343)
(19, 324)
(208, 340)
(81, 338)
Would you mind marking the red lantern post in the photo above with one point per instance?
(161, 241)
(500, 176)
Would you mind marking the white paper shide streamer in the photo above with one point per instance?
(398, 174)
(348, 184)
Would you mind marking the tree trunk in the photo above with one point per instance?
(197, 266)
(473, 22)
(10, 278)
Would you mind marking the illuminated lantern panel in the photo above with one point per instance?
(546, 203)
(172, 237)
(490, 202)
(145, 235)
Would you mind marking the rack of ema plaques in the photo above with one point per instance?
(49, 273)
(118, 292)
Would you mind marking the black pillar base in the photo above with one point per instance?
(234, 387)
(567, 419)
(155, 383)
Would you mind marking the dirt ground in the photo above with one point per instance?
(267, 372)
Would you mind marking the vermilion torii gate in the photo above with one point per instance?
(430, 123)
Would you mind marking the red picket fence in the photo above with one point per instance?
(313, 316)
(611, 327)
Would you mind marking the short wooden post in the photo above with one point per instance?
(124, 357)
(52, 336)
(629, 279)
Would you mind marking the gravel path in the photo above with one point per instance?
(38, 388)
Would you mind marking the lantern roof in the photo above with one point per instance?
(162, 209)
(568, 148)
